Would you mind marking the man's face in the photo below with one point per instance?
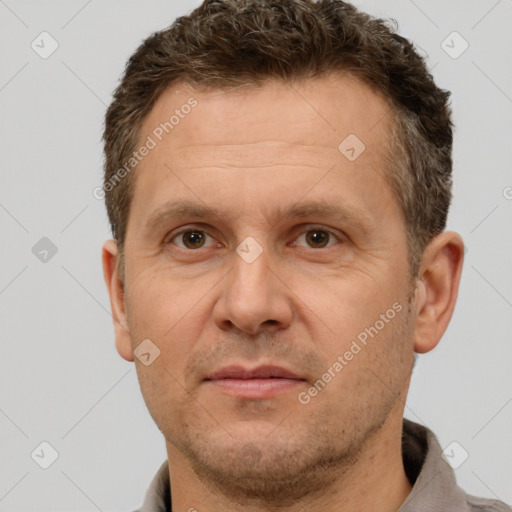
(253, 241)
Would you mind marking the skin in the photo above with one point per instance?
(248, 156)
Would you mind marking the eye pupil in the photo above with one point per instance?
(317, 238)
(193, 239)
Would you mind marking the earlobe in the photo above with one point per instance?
(115, 289)
(437, 289)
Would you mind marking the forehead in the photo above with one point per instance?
(273, 142)
(320, 111)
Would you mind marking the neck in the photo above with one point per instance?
(375, 481)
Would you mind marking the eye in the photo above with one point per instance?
(317, 238)
(191, 239)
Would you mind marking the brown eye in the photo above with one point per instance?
(192, 239)
(316, 239)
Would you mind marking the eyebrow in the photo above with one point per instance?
(180, 209)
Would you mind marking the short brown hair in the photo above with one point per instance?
(235, 43)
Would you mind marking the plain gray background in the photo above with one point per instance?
(62, 380)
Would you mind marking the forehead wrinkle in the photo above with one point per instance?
(228, 165)
(256, 155)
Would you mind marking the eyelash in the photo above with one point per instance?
(168, 240)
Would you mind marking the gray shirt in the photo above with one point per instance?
(434, 486)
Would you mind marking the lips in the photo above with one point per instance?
(261, 372)
(262, 382)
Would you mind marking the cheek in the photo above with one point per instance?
(159, 312)
(347, 307)
(169, 314)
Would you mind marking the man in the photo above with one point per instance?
(278, 177)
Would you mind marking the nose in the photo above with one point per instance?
(253, 298)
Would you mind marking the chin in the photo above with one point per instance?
(251, 464)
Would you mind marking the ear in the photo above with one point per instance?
(115, 289)
(437, 289)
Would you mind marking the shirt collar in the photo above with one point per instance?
(435, 487)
